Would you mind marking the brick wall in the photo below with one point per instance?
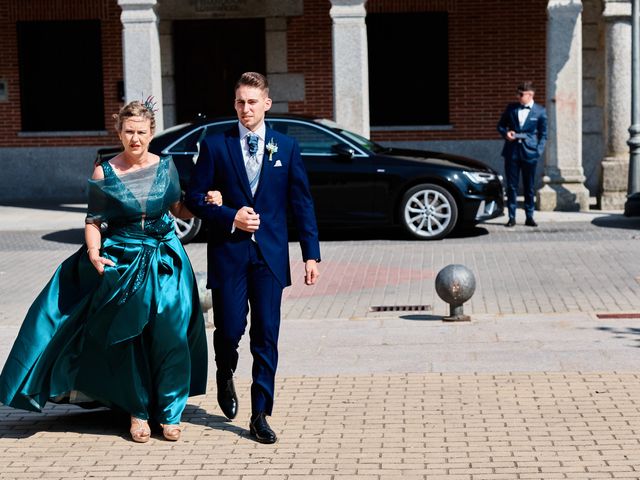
(310, 53)
(12, 11)
(488, 56)
(493, 45)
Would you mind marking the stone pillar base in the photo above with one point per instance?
(613, 200)
(615, 174)
(564, 197)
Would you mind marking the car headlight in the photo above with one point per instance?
(480, 177)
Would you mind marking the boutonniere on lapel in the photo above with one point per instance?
(271, 148)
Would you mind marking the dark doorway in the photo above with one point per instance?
(209, 56)
(60, 65)
(398, 43)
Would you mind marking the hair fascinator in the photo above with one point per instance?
(150, 104)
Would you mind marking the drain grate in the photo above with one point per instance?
(400, 308)
(605, 316)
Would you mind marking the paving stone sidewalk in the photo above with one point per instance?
(405, 426)
(579, 262)
(537, 386)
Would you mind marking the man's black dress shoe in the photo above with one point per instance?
(260, 429)
(530, 222)
(227, 398)
(511, 222)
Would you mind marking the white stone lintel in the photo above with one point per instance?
(565, 5)
(347, 10)
(137, 11)
(614, 10)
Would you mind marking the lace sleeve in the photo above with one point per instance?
(97, 203)
(174, 191)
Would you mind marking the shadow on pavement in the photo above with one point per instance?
(198, 416)
(18, 424)
(384, 233)
(104, 421)
(72, 235)
(617, 221)
(74, 207)
(422, 318)
(76, 235)
(624, 333)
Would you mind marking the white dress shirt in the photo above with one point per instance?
(523, 113)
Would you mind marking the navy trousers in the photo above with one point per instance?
(512, 169)
(252, 285)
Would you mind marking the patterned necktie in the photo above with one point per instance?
(253, 164)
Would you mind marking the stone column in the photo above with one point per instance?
(284, 87)
(141, 53)
(168, 73)
(617, 105)
(563, 174)
(350, 65)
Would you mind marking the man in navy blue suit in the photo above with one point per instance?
(260, 175)
(523, 125)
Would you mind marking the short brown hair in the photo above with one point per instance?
(526, 86)
(253, 79)
(135, 109)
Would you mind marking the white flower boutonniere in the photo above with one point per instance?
(271, 148)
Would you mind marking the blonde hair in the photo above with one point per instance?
(135, 109)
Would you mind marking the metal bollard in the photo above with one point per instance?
(455, 284)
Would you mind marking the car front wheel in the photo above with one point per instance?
(186, 230)
(428, 212)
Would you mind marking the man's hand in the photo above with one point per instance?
(213, 197)
(311, 272)
(247, 220)
(511, 135)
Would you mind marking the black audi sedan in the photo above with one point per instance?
(356, 182)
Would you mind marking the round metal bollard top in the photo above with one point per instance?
(455, 284)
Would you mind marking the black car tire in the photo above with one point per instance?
(186, 230)
(428, 212)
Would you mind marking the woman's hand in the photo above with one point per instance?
(97, 261)
(213, 197)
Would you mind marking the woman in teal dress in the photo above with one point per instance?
(120, 322)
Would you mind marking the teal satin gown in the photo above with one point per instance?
(133, 338)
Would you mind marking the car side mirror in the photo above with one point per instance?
(344, 151)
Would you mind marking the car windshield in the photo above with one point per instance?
(358, 139)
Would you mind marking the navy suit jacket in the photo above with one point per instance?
(283, 185)
(534, 132)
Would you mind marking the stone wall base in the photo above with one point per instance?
(615, 178)
(45, 174)
(564, 197)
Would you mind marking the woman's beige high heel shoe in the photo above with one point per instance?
(140, 431)
(171, 432)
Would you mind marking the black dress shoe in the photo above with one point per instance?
(227, 398)
(511, 223)
(260, 429)
(530, 222)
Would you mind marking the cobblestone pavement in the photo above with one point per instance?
(556, 268)
(537, 386)
(411, 426)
